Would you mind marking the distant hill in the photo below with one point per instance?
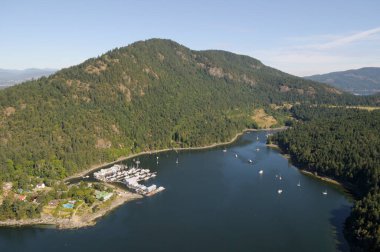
(363, 81)
(9, 77)
(149, 95)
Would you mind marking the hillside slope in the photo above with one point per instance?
(363, 81)
(149, 95)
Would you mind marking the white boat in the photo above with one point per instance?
(225, 150)
(257, 138)
(250, 161)
(299, 184)
(324, 192)
(279, 191)
(236, 155)
(257, 149)
(261, 172)
(280, 178)
(177, 161)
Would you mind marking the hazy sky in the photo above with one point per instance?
(299, 37)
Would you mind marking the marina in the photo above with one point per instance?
(130, 177)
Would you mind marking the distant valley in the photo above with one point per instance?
(363, 81)
(10, 77)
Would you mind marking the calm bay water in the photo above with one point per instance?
(213, 202)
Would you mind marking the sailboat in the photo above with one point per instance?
(177, 162)
(299, 183)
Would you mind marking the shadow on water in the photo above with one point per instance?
(337, 220)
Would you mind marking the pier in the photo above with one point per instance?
(129, 177)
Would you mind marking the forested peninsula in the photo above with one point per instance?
(343, 144)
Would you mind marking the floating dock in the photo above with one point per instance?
(129, 177)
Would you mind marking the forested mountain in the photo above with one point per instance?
(9, 77)
(363, 81)
(149, 95)
(343, 144)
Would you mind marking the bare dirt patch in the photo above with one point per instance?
(8, 111)
(150, 72)
(127, 93)
(284, 89)
(284, 105)
(160, 57)
(103, 143)
(333, 90)
(216, 72)
(99, 66)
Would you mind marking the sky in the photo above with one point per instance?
(299, 37)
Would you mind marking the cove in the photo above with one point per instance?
(214, 201)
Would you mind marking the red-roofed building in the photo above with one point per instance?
(21, 197)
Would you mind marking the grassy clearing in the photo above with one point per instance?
(262, 119)
(368, 108)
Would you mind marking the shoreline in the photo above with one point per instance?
(120, 159)
(75, 222)
(348, 187)
(123, 196)
(303, 171)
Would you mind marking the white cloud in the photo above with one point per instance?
(345, 40)
(324, 53)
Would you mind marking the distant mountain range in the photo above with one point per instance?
(10, 77)
(363, 81)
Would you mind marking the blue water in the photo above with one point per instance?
(212, 202)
